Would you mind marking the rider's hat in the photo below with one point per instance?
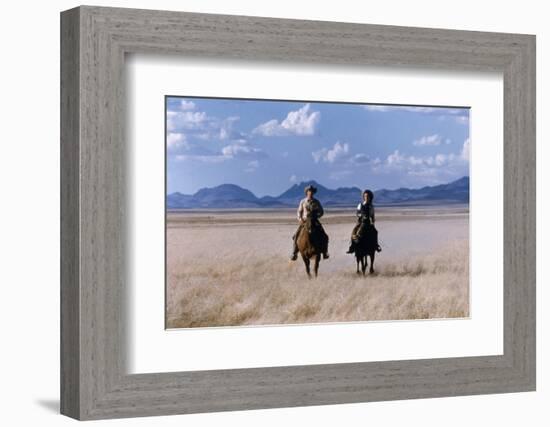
(310, 188)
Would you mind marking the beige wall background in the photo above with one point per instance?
(29, 224)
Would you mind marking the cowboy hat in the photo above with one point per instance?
(310, 188)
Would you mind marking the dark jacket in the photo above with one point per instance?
(365, 212)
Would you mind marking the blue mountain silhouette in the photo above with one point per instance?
(231, 196)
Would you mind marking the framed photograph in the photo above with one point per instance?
(260, 182)
(262, 213)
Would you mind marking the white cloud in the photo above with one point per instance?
(186, 105)
(419, 109)
(340, 155)
(199, 125)
(428, 140)
(395, 158)
(227, 131)
(232, 151)
(215, 158)
(180, 105)
(293, 178)
(457, 116)
(378, 108)
(442, 159)
(240, 150)
(270, 128)
(318, 155)
(417, 161)
(399, 160)
(441, 166)
(175, 140)
(386, 108)
(456, 113)
(331, 155)
(179, 120)
(299, 122)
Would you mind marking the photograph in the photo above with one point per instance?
(286, 212)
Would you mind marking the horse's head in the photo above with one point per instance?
(311, 223)
(307, 224)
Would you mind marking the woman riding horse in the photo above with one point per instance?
(365, 220)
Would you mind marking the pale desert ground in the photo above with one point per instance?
(231, 268)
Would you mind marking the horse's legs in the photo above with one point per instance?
(364, 264)
(316, 266)
(306, 262)
(372, 255)
(358, 259)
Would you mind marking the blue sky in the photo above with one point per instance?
(267, 146)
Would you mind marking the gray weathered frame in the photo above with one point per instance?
(94, 41)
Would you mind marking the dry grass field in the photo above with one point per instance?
(232, 268)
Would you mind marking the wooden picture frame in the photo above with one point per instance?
(94, 382)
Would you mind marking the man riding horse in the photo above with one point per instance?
(309, 207)
(365, 221)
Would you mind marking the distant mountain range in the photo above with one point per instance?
(231, 196)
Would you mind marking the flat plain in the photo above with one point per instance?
(231, 268)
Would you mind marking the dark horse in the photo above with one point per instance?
(366, 246)
(312, 242)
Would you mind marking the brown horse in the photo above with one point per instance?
(366, 246)
(312, 241)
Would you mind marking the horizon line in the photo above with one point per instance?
(316, 182)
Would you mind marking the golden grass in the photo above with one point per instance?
(249, 287)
